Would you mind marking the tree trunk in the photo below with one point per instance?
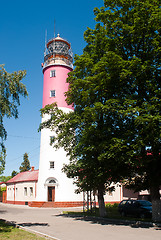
(102, 209)
(156, 203)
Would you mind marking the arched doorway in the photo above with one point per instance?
(51, 183)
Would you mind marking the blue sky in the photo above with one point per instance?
(22, 39)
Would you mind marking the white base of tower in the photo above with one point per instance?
(54, 178)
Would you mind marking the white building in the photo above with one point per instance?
(22, 188)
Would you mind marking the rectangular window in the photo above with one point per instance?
(52, 73)
(52, 93)
(51, 165)
(16, 191)
(52, 140)
(31, 191)
(25, 191)
(110, 193)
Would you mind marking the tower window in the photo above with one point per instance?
(51, 165)
(52, 139)
(53, 73)
(52, 93)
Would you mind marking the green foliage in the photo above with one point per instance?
(14, 173)
(134, 33)
(112, 206)
(5, 178)
(11, 88)
(25, 165)
(2, 155)
(3, 189)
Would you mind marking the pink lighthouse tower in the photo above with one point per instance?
(53, 187)
(57, 64)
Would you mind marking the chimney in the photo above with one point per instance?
(32, 168)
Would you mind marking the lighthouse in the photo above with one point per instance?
(53, 186)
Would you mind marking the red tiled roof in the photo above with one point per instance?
(2, 183)
(27, 176)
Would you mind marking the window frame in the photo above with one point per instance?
(52, 93)
(110, 193)
(16, 191)
(52, 73)
(52, 164)
(31, 191)
(25, 191)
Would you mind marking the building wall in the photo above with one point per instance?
(64, 188)
(129, 194)
(115, 196)
(57, 83)
(23, 191)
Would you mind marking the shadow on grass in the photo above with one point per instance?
(8, 226)
(109, 221)
(5, 227)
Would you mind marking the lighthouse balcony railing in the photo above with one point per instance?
(50, 61)
(67, 54)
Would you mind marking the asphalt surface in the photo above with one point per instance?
(52, 222)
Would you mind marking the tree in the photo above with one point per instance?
(4, 178)
(14, 173)
(116, 90)
(11, 88)
(135, 33)
(25, 165)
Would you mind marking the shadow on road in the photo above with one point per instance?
(2, 211)
(33, 224)
(114, 222)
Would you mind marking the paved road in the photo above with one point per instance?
(52, 222)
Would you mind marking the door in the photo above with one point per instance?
(4, 197)
(51, 194)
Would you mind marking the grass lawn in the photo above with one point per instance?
(112, 213)
(8, 232)
(111, 209)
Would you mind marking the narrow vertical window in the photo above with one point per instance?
(110, 193)
(53, 73)
(16, 192)
(52, 93)
(25, 191)
(31, 191)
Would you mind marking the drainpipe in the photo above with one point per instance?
(35, 188)
(121, 193)
(14, 193)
